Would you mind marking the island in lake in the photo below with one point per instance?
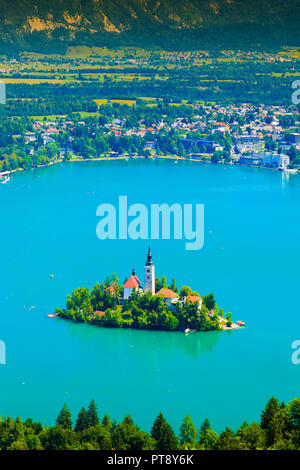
(156, 307)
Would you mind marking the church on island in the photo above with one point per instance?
(117, 310)
(133, 283)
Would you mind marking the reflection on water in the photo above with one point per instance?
(192, 344)
(285, 180)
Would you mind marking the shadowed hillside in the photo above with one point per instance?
(40, 25)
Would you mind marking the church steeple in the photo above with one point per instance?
(149, 274)
(149, 261)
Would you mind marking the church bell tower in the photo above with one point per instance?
(149, 274)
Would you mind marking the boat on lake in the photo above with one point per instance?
(5, 179)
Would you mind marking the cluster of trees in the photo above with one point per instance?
(278, 429)
(223, 81)
(14, 153)
(15, 157)
(45, 106)
(294, 155)
(142, 311)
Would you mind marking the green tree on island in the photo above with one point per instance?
(173, 286)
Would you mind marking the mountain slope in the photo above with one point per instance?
(38, 23)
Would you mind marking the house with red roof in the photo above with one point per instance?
(132, 283)
(111, 290)
(51, 130)
(99, 313)
(221, 126)
(193, 299)
(171, 298)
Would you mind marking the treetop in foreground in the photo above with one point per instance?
(279, 429)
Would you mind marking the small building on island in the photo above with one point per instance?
(192, 299)
(132, 283)
(111, 290)
(172, 298)
(99, 313)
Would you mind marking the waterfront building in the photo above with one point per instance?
(267, 159)
(249, 143)
(276, 160)
(256, 159)
(204, 146)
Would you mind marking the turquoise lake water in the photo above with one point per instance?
(250, 260)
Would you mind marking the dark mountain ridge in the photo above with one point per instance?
(57, 24)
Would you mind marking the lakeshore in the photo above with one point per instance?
(140, 157)
(18, 170)
(178, 158)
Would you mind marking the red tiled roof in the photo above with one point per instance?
(110, 289)
(193, 298)
(167, 293)
(51, 129)
(132, 282)
(99, 313)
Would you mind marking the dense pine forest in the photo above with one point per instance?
(278, 429)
